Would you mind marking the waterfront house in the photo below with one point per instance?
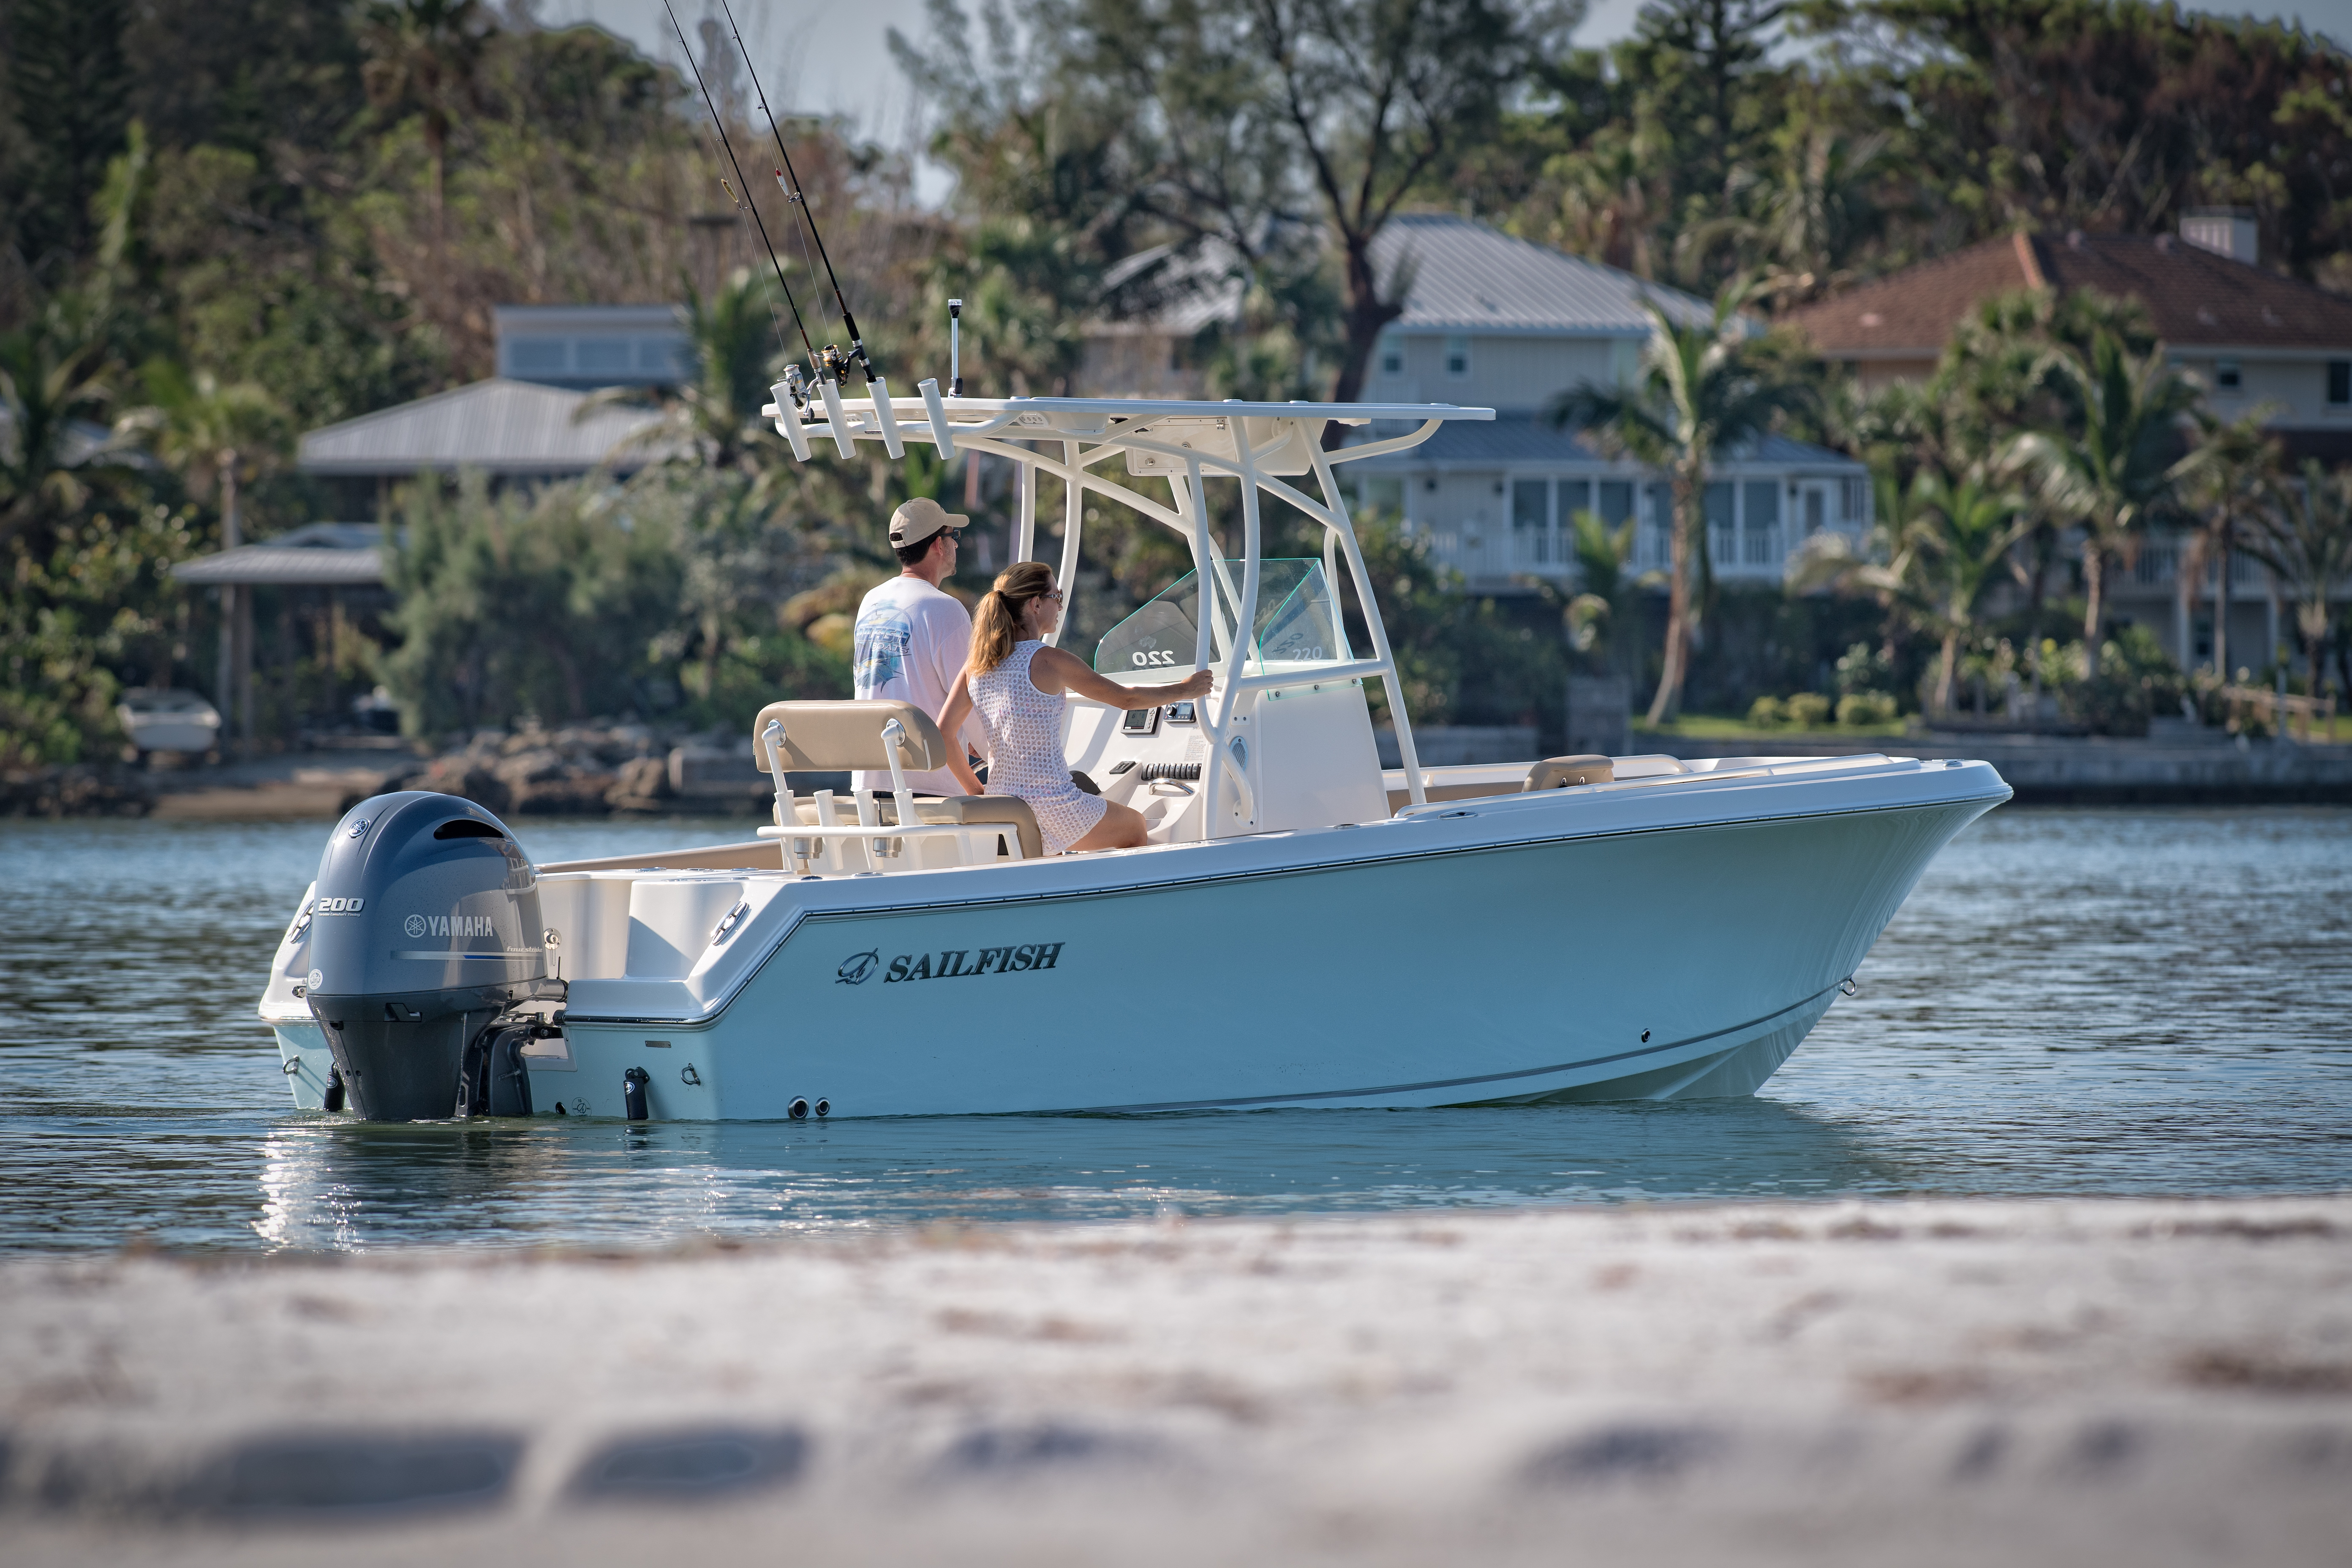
(2250, 337)
(1494, 320)
(525, 424)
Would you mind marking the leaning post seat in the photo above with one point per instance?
(874, 735)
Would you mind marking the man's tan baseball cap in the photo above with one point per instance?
(917, 519)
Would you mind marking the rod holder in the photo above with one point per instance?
(937, 413)
(788, 421)
(886, 416)
(955, 348)
(830, 390)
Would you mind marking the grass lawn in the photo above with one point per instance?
(1719, 727)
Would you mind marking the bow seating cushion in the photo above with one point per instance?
(1556, 773)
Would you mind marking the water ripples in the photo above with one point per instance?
(2073, 1001)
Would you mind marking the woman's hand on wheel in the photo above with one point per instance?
(1196, 686)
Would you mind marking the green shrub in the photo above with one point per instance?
(1857, 710)
(2133, 679)
(1765, 714)
(1863, 670)
(1808, 709)
(521, 605)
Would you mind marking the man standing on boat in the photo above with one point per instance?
(912, 637)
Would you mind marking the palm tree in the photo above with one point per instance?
(713, 420)
(1960, 535)
(2233, 480)
(1612, 200)
(1887, 563)
(1811, 217)
(2309, 546)
(49, 379)
(1589, 613)
(426, 53)
(216, 436)
(1703, 387)
(2114, 474)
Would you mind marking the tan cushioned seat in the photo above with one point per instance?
(1555, 772)
(1011, 810)
(832, 737)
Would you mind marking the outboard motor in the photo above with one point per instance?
(425, 928)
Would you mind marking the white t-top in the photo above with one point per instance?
(912, 640)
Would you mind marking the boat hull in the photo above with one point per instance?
(306, 1060)
(1668, 962)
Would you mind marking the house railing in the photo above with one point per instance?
(2158, 563)
(2277, 709)
(1490, 552)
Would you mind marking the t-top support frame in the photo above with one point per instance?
(1239, 441)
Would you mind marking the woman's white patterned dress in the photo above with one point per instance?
(1024, 750)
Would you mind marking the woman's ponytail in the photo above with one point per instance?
(997, 627)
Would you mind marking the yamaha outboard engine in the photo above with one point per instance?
(425, 928)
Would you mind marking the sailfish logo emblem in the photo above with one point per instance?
(858, 969)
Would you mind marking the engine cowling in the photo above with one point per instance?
(425, 928)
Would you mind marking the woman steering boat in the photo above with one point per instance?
(1019, 686)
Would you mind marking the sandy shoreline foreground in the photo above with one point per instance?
(1919, 1382)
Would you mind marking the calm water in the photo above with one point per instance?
(2074, 1002)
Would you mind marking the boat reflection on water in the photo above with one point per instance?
(327, 1183)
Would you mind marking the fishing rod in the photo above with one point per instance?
(791, 371)
(799, 198)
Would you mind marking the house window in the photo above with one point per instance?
(1854, 500)
(1660, 507)
(1384, 496)
(2226, 376)
(1532, 520)
(2339, 382)
(601, 356)
(1817, 508)
(1457, 356)
(537, 356)
(1575, 496)
(1392, 356)
(1616, 501)
(1760, 526)
(1719, 520)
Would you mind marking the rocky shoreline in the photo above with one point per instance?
(595, 769)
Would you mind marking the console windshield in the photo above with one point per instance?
(1298, 622)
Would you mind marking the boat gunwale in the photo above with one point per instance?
(803, 913)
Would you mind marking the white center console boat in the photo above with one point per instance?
(1304, 929)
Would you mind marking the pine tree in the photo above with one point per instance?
(67, 72)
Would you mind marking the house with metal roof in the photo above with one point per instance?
(1498, 322)
(316, 555)
(1494, 320)
(509, 429)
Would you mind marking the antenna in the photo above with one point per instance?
(799, 198)
(955, 348)
(743, 200)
